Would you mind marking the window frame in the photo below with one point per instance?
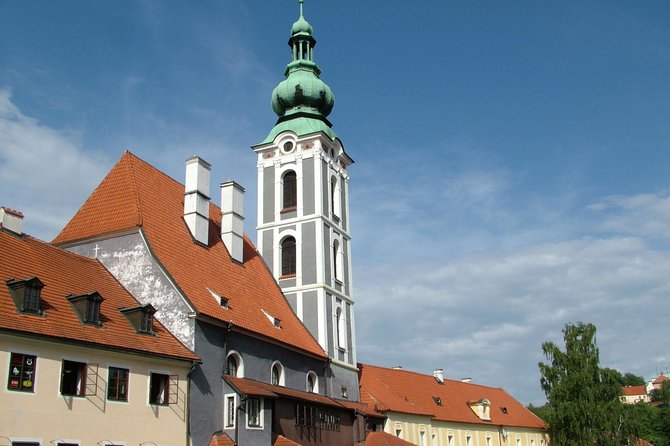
(313, 385)
(170, 388)
(280, 374)
(125, 381)
(249, 407)
(289, 191)
(239, 364)
(86, 381)
(288, 256)
(32, 370)
(229, 419)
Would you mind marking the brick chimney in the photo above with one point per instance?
(196, 198)
(232, 219)
(11, 220)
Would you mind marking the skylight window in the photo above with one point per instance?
(222, 301)
(273, 320)
(437, 400)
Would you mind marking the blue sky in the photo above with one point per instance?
(512, 158)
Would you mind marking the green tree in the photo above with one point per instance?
(661, 395)
(584, 399)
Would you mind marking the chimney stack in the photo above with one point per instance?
(196, 198)
(232, 219)
(11, 220)
(439, 375)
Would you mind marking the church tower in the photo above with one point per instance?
(303, 210)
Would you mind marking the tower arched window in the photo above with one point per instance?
(341, 329)
(289, 191)
(337, 261)
(335, 202)
(288, 257)
(234, 365)
(277, 374)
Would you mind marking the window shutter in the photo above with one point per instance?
(173, 390)
(91, 380)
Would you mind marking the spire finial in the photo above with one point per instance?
(300, 1)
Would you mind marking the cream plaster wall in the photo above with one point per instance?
(48, 417)
(436, 433)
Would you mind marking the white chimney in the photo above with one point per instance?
(466, 380)
(11, 220)
(196, 198)
(439, 375)
(232, 219)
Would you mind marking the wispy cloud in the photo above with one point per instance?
(642, 214)
(43, 171)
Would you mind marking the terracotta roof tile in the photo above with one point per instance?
(413, 393)
(135, 194)
(221, 439)
(280, 440)
(257, 388)
(361, 408)
(634, 390)
(62, 274)
(383, 439)
(660, 379)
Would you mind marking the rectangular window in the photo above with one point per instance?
(22, 372)
(159, 389)
(25, 443)
(31, 299)
(117, 386)
(146, 322)
(230, 411)
(450, 440)
(254, 412)
(73, 378)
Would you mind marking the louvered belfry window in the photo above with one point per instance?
(290, 192)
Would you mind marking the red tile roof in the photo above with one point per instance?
(280, 440)
(134, 195)
(634, 390)
(221, 439)
(383, 439)
(63, 274)
(257, 388)
(660, 379)
(413, 393)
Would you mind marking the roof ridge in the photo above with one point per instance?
(135, 186)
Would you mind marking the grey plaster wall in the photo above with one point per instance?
(268, 248)
(345, 267)
(268, 194)
(343, 201)
(308, 202)
(129, 260)
(292, 301)
(325, 186)
(343, 377)
(329, 325)
(308, 253)
(310, 312)
(286, 228)
(350, 338)
(328, 251)
(208, 388)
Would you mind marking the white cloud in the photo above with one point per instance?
(642, 214)
(43, 171)
(486, 316)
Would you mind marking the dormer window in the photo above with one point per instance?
(87, 306)
(26, 294)
(437, 400)
(481, 408)
(141, 318)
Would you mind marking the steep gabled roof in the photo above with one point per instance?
(64, 274)
(135, 194)
(414, 393)
(660, 379)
